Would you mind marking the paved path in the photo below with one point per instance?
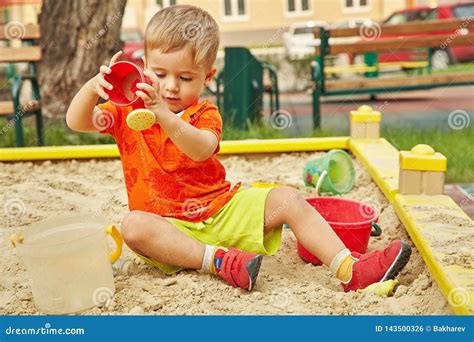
(423, 109)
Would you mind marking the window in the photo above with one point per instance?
(464, 11)
(165, 3)
(235, 10)
(422, 15)
(296, 8)
(351, 6)
(397, 18)
(304, 30)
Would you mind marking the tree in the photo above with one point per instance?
(77, 36)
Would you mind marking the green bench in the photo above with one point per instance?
(14, 111)
(372, 84)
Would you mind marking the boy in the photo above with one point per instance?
(183, 213)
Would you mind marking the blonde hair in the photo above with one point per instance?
(176, 27)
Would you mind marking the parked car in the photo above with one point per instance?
(440, 58)
(133, 45)
(299, 40)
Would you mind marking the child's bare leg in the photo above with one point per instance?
(153, 236)
(286, 205)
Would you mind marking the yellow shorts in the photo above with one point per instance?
(239, 224)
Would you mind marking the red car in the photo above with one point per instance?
(441, 58)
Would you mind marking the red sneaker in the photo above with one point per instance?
(238, 268)
(378, 265)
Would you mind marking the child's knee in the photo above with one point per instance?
(287, 194)
(135, 226)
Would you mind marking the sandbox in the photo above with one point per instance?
(286, 285)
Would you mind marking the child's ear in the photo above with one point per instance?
(209, 76)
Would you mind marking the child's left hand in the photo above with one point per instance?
(150, 94)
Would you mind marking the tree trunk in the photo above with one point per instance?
(77, 36)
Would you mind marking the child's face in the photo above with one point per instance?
(180, 80)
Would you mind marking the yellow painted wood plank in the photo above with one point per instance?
(441, 231)
(58, 152)
(366, 68)
(444, 236)
(227, 147)
(381, 159)
(283, 145)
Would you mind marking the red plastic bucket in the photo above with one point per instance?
(352, 221)
(124, 78)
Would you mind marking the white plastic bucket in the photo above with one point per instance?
(68, 262)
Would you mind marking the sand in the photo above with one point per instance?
(286, 284)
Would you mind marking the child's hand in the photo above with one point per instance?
(150, 94)
(98, 82)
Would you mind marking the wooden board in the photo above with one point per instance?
(440, 230)
(399, 81)
(401, 43)
(6, 107)
(360, 68)
(444, 236)
(380, 158)
(253, 146)
(20, 54)
(25, 32)
(401, 29)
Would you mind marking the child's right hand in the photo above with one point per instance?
(98, 82)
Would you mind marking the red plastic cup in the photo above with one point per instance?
(124, 78)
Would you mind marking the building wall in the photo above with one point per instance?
(27, 14)
(265, 19)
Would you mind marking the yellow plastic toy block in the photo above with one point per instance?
(365, 114)
(365, 123)
(421, 171)
(422, 158)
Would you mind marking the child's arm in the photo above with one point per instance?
(197, 144)
(79, 116)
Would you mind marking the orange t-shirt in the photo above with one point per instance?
(160, 178)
